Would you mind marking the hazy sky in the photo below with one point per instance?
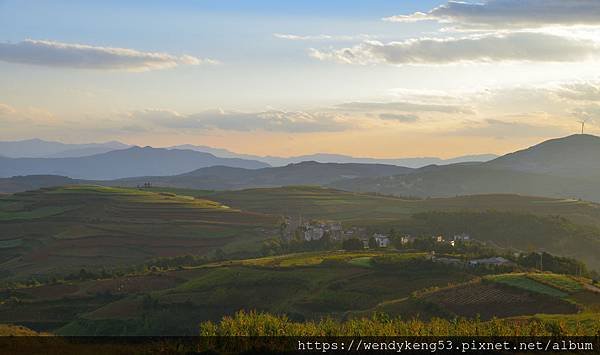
(382, 78)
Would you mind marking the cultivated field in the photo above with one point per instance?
(61, 230)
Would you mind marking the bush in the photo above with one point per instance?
(353, 244)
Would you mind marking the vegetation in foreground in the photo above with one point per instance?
(264, 324)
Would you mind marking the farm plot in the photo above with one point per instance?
(489, 300)
(562, 282)
(523, 282)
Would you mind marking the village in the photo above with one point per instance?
(316, 230)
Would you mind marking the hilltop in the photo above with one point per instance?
(576, 156)
(563, 168)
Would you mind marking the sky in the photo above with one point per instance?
(377, 78)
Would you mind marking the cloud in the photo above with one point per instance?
(6, 110)
(501, 129)
(404, 107)
(511, 13)
(509, 47)
(404, 118)
(588, 113)
(272, 120)
(325, 37)
(583, 91)
(81, 56)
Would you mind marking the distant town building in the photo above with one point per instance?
(310, 230)
(383, 241)
(495, 261)
(448, 261)
(463, 237)
(406, 239)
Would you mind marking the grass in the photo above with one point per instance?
(362, 261)
(301, 259)
(96, 227)
(522, 281)
(355, 207)
(37, 213)
(182, 298)
(562, 282)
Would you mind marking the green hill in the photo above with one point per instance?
(62, 230)
(306, 287)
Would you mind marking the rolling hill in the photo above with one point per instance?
(33, 182)
(135, 161)
(460, 180)
(576, 156)
(564, 168)
(229, 178)
(338, 285)
(61, 230)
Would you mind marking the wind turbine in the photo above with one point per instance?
(582, 126)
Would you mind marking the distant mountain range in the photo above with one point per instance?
(338, 158)
(37, 148)
(565, 168)
(117, 164)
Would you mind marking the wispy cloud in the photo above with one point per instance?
(6, 110)
(510, 13)
(81, 56)
(404, 107)
(325, 37)
(502, 47)
(581, 91)
(272, 120)
(506, 129)
(404, 118)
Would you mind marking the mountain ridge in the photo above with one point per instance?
(130, 162)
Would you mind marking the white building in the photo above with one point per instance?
(495, 261)
(383, 241)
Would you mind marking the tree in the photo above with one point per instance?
(353, 244)
(220, 255)
(373, 243)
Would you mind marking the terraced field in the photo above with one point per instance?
(100, 227)
(524, 282)
(562, 227)
(489, 300)
(353, 207)
(178, 300)
(562, 282)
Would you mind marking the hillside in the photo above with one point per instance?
(34, 182)
(101, 226)
(306, 287)
(575, 156)
(561, 168)
(174, 302)
(61, 230)
(508, 221)
(117, 164)
(461, 180)
(305, 173)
